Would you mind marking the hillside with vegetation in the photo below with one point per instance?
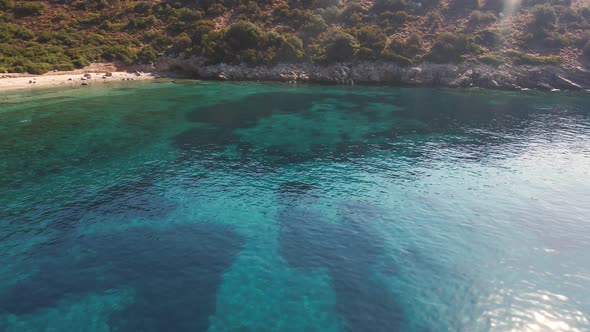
(40, 36)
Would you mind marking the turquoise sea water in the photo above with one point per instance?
(204, 206)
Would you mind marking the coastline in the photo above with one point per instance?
(66, 79)
(94, 74)
(464, 75)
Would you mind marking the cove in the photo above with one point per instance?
(228, 206)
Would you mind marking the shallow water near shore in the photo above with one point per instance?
(219, 206)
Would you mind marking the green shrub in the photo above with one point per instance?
(27, 8)
(335, 46)
(201, 28)
(529, 59)
(147, 55)
(243, 35)
(570, 15)
(315, 25)
(268, 47)
(18, 69)
(64, 66)
(57, 18)
(37, 68)
(297, 17)
(11, 31)
(555, 40)
(544, 17)
(354, 13)
(407, 48)
(282, 9)
(324, 3)
(44, 37)
(71, 39)
(291, 49)
(433, 20)
(158, 40)
(140, 23)
(81, 62)
(187, 15)
(212, 46)
(542, 27)
(90, 19)
(125, 54)
(181, 43)
(380, 6)
(6, 4)
(84, 54)
(249, 56)
(478, 18)
(216, 9)
(6, 18)
(492, 60)
(143, 8)
(94, 39)
(331, 14)
(106, 25)
(118, 26)
(413, 45)
(165, 11)
(150, 21)
(245, 42)
(490, 38)
(448, 47)
(464, 4)
(395, 18)
(250, 9)
(372, 40)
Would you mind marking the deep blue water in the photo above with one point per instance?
(204, 206)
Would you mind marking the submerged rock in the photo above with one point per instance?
(348, 251)
(175, 272)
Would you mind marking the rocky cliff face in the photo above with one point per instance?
(505, 77)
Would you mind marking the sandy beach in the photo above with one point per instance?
(91, 75)
(8, 83)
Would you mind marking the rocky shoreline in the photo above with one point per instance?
(465, 75)
(469, 74)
